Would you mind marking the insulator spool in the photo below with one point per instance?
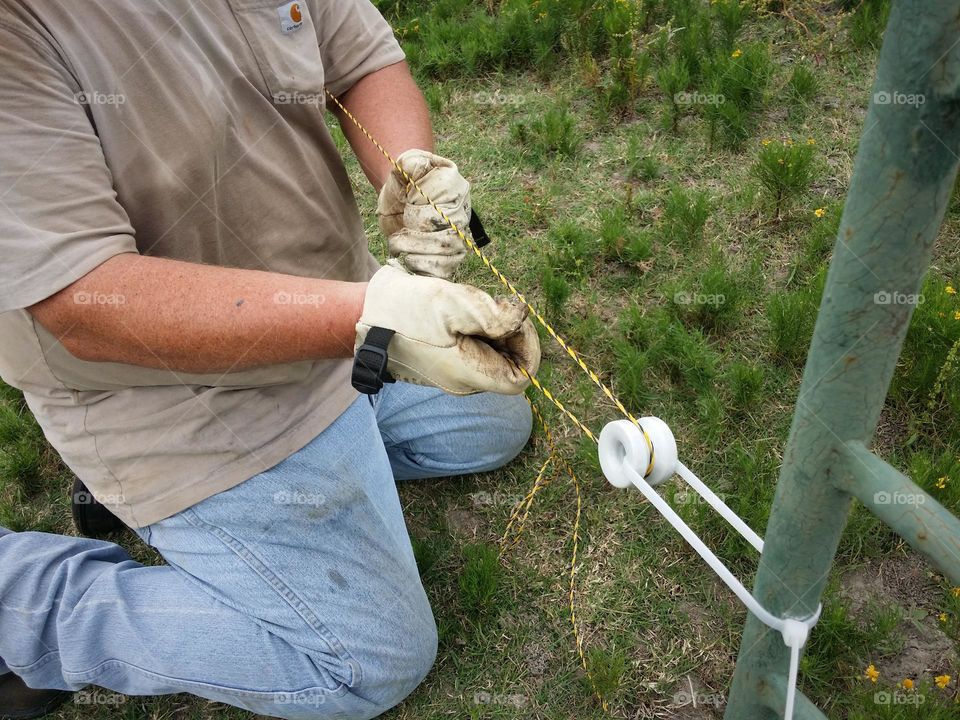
(622, 442)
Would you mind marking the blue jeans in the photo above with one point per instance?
(294, 594)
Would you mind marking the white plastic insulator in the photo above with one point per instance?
(622, 443)
(624, 459)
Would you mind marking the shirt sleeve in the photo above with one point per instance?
(355, 40)
(59, 214)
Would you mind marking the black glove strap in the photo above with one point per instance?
(480, 237)
(370, 364)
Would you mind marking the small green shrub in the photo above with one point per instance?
(673, 79)
(685, 214)
(622, 84)
(738, 80)
(437, 97)
(744, 382)
(632, 380)
(711, 417)
(606, 670)
(867, 23)
(731, 16)
(569, 250)
(934, 331)
(785, 171)
(710, 299)
(620, 240)
(556, 291)
(792, 316)
(553, 135)
(480, 578)
(640, 165)
(683, 354)
(21, 463)
(803, 85)
(818, 242)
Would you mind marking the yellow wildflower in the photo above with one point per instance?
(765, 142)
(942, 617)
(956, 592)
(942, 681)
(907, 684)
(736, 53)
(871, 673)
(819, 212)
(951, 290)
(956, 315)
(811, 141)
(942, 482)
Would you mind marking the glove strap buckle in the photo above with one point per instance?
(370, 363)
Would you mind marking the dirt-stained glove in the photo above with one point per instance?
(451, 336)
(416, 234)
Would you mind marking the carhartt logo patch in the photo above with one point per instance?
(291, 17)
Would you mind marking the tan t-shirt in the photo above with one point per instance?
(188, 130)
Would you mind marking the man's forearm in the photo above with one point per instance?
(391, 107)
(196, 318)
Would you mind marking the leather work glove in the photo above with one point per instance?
(416, 234)
(451, 336)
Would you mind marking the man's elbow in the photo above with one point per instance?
(65, 318)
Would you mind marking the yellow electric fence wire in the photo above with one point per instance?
(577, 636)
(524, 506)
(542, 480)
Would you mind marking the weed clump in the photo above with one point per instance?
(552, 135)
(685, 214)
(480, 578)
(785, 171)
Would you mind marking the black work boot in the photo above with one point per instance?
(19, 702)
(92, 519)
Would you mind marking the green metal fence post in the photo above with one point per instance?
(903, 177)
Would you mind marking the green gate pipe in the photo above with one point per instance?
(903, 177)
(890, 495)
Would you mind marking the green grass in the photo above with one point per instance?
(607, 199)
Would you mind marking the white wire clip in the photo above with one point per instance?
(625, 458)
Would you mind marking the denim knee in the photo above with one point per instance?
(390, 672)
(515, 425)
